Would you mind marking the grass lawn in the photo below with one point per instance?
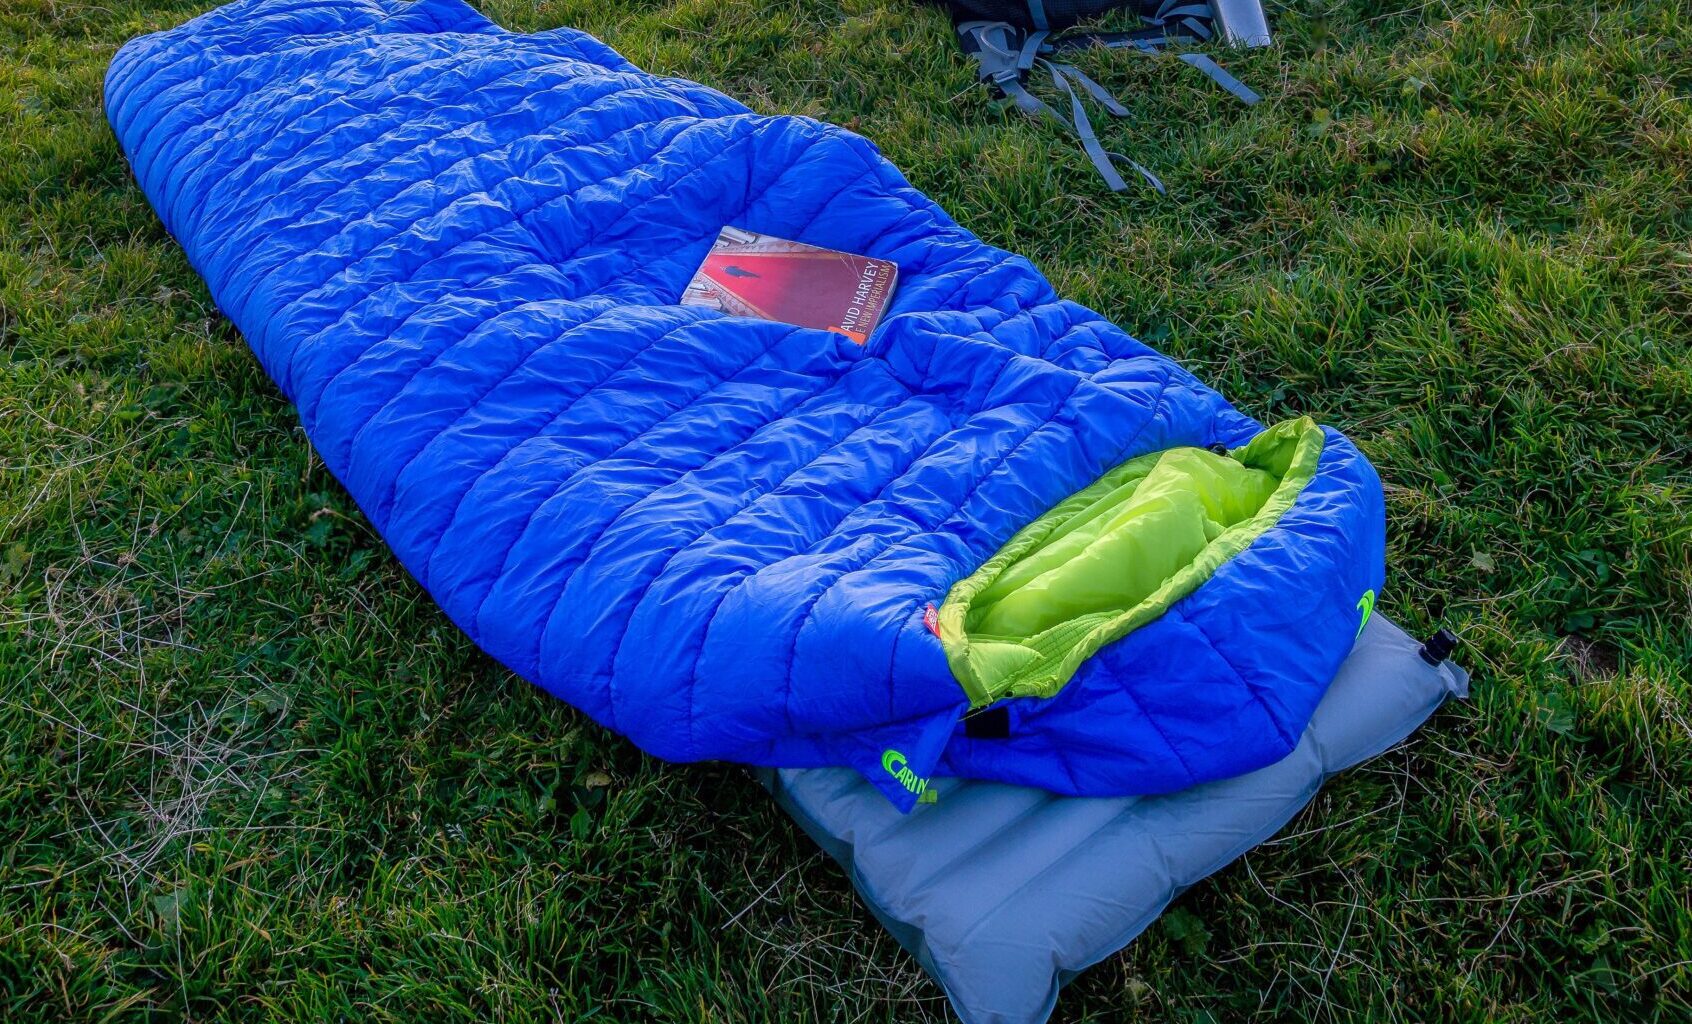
(248, 771)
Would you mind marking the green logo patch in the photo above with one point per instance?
(1366, 605)
(895, 764)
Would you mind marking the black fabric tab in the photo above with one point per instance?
(991, 724)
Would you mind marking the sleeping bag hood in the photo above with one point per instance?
(1002, 540)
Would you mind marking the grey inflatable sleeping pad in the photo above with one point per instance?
(1004, 894)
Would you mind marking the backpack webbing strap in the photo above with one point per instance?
(1005, 54)
(1193, 18)
(1003, 61)
(1218, 74)
(1066, 78)
(1124, 41)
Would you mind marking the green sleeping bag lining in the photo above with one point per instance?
(1115, 556)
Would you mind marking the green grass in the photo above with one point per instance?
(248, 771)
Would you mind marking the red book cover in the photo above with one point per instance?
(748, 274)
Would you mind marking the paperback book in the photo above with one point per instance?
(748, 274)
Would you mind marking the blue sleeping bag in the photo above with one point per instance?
(1002, 540)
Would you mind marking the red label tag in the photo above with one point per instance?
(931, 619)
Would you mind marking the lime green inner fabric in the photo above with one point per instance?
(1115, 556)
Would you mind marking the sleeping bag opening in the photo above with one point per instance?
(1114, 557)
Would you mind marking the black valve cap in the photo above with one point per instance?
(1438, 647)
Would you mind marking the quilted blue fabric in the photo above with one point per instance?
(458, 251)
